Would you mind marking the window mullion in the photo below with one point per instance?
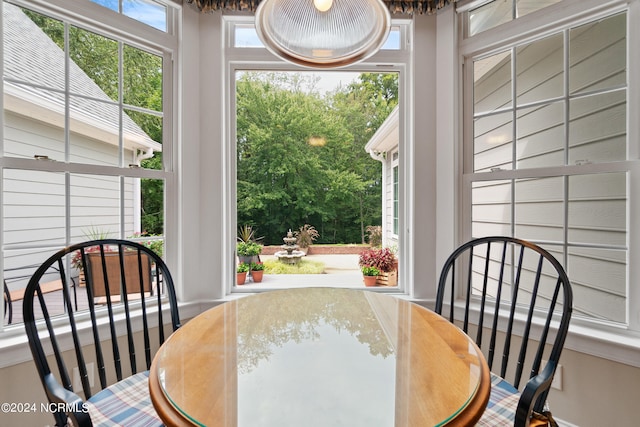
(120, 104)
(514, 133)
(67, 136)
(567, 116)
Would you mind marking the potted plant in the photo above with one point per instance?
(370, 274)
(257, 271)
(248, 252)
(305, 236)
(246, 233)
(241, 273)
(385, 261)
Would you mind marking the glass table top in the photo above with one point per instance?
(318, 357)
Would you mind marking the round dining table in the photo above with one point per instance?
(319, 357)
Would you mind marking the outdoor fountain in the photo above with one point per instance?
(290, 253)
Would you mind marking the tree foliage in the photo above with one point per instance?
(300, 155)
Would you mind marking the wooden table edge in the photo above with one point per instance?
(470, 415)
(169, 415)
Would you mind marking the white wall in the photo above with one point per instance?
(424, 228)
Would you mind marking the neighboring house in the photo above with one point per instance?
(34, 117)
(383, 146)
(597, 205)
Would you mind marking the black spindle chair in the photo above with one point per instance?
(514, 298)
(130, 298)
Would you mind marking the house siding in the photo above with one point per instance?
(34, 201)
(597, 204)
(390, 238)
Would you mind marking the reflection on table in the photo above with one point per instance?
(319, 357)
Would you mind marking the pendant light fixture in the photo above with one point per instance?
(323, 33)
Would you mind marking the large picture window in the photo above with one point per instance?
(85, 151)
(547, 160)
(308, 152)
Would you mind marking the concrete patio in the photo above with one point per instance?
(341, 270)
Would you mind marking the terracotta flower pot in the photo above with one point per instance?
(256, 275)
(241, 277)
(369, 280)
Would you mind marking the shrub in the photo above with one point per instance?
(155, 242)
(156, 246)
(374, 235)
(248, 248)
(370, 271)
(381, 258)
(306, 235)
(257, 266)
(304, 266)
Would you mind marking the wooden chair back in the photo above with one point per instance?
(515, 299)
(118, 336)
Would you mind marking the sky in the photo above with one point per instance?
(330, 80)
(145, 11)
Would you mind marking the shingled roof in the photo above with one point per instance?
(31, 57)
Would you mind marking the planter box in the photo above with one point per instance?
(131, 272)
(388, 279)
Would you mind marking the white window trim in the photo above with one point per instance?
(602, 339)
(242, 58)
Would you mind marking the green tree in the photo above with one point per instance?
(363, 107)
(281, 134)
(301, 158)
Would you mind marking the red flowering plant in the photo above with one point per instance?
(76, 259)
(381, 258)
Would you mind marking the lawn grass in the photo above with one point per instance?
(303, 267)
